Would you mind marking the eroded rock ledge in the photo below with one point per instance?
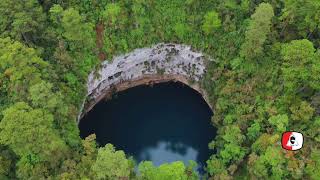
(160, 63)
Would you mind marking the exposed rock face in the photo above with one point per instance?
(160, 63)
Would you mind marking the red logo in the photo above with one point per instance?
(292, 140)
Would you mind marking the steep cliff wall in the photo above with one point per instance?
(160, 63)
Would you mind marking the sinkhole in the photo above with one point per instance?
(162, 123)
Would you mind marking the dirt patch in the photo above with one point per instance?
(99, 41)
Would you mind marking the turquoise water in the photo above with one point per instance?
(164, 123)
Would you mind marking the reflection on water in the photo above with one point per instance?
(165, 123)
(165, 152)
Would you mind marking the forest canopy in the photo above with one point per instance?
(264, 79)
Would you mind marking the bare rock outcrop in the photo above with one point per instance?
(160, 63)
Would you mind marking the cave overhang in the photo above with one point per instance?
(146, 66)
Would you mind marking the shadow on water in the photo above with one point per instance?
(164, 123)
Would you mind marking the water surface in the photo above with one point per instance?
(164, 123)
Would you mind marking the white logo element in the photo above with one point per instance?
(295, 141)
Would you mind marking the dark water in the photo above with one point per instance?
(164, 123)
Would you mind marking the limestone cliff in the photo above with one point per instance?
(160, 63)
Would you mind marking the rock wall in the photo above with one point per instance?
(160, 63)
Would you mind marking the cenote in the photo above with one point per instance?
(163, 123)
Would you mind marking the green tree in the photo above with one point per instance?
(89, 155)
(7, 163)
(269, 165)
(301, 15)
(141, 23)
(216, 166)
(21, 20)
(257, 31)
(301, 65)
(79, 167)
(73, 28)
(55, 15)
(263, 142)
(181, 30)
(231, 152)
(314, 129)
(211, 22)
(254, 130)
(76, 29)
(280, 122)
(20, 68)
(111, 13)
(111, 164)
(302, 111)
(93, 9)
(313, 167)
(173, 171)
(22, 127)
(233, 134)
(41, 96)
(30, 134)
